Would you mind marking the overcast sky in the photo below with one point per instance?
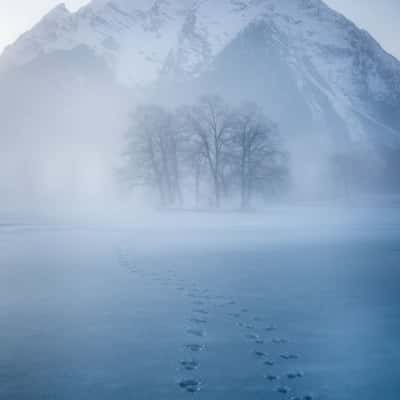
(380, 17)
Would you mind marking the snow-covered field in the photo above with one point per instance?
(283, 305)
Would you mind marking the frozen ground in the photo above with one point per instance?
(226, 306)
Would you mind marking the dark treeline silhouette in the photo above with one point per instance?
(205, 154)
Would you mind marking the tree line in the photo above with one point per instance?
(204, 154)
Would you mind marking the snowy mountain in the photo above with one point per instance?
(328, 84)
(142, 40)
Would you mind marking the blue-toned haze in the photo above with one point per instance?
(199, 199)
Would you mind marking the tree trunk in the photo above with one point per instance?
(166, 172)
(177, 179)
(217, 194)
(217, 180)
(197, 185)
(243, 183)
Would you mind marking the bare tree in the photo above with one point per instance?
(258, 152)
(152, 153)
(207, 145)
(209, 124)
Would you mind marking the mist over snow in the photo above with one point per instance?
(69, 87)
(199, 199)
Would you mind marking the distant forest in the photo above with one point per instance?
(205, 155)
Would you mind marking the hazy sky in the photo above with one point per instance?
(380, 17)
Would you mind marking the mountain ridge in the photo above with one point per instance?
(146, 37)
(329, 85)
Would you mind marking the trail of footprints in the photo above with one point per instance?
(256, 333)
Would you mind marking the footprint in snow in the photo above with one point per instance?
(259, 354)
(200, 311)
(189, 365)
(279, 341)
(196, 332)
(283, 389)
(194, 347)
(295, 375)
(190, 385)
(289, 356)
(306, 397)
(198, 321)
(271, 328)
(251, 336)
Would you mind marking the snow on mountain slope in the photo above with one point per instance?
(144, 40)
(137, 37)
(144, 33)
